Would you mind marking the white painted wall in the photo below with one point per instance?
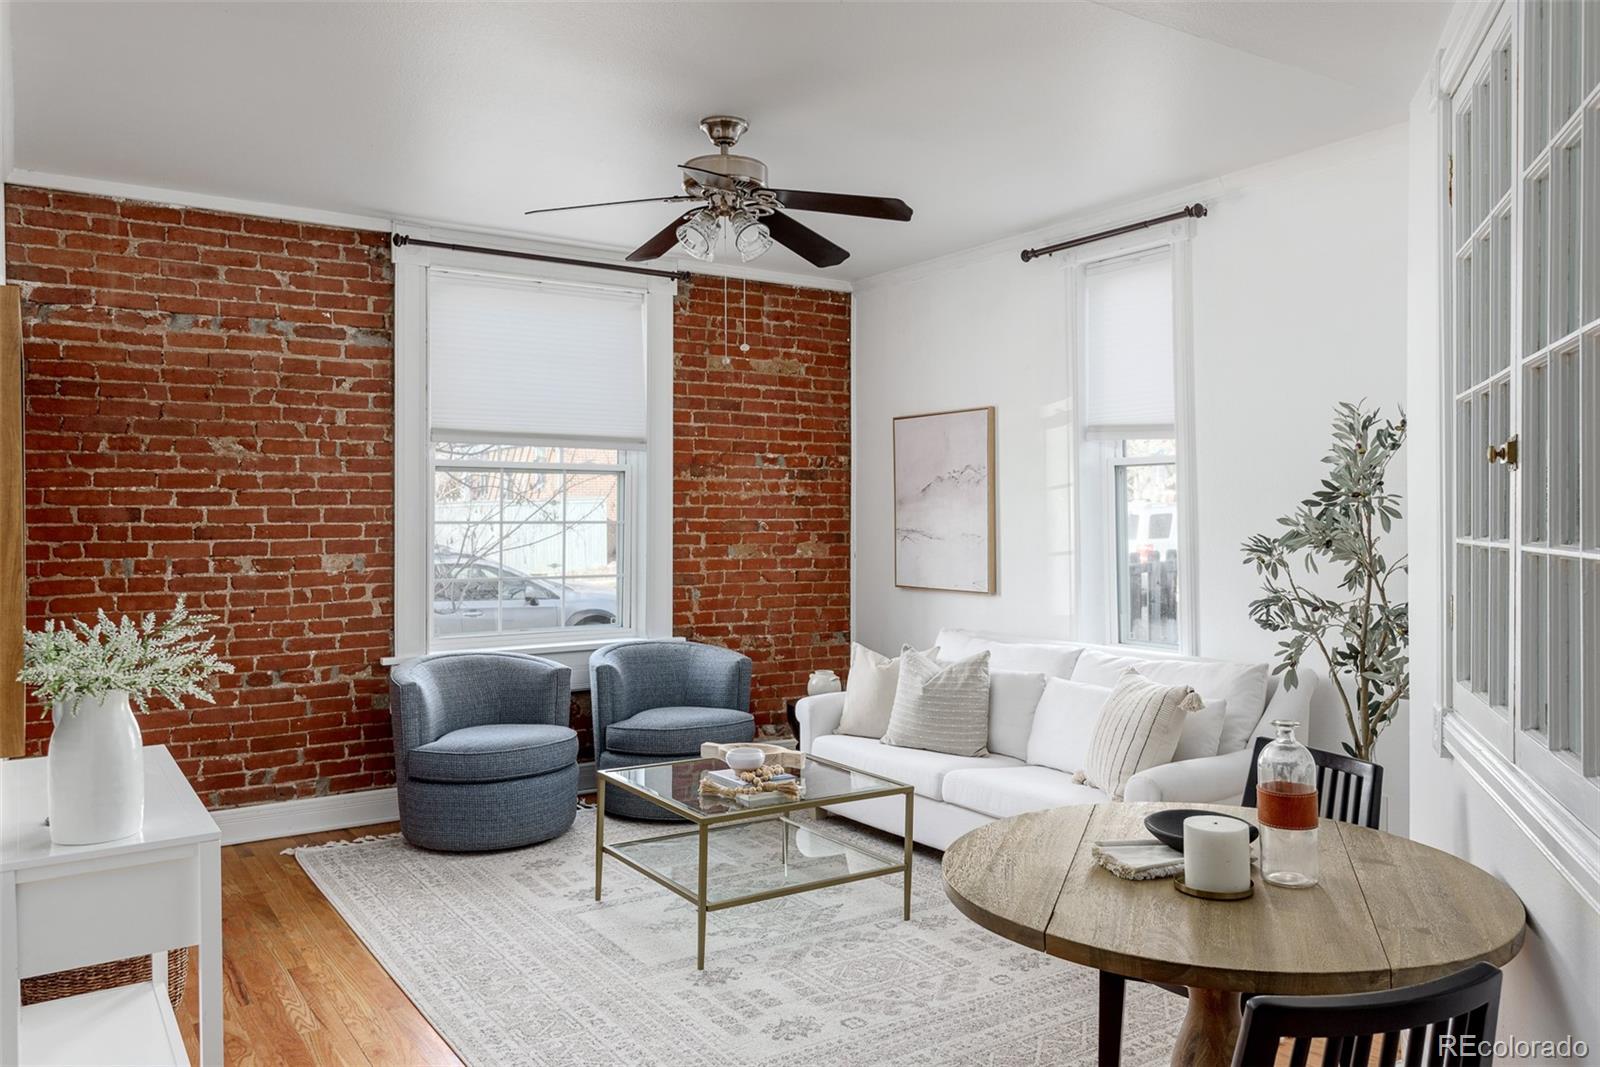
(1551, 988)
(1299, 300)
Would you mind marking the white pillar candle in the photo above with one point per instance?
(1216, 854)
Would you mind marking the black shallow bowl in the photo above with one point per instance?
(1167, 826)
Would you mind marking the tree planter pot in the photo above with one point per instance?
(96, 765)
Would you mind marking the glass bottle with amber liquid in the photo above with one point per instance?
(1286, 807)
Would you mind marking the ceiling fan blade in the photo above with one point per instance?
(868, 207)
(804, 241)
(659, 245)
(614, 203)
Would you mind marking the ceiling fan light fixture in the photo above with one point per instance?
(751, 238)
(698, 236)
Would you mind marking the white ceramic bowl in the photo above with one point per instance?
(744, 758)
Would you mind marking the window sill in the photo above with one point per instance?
(535, 648)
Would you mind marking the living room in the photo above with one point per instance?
(497, 568)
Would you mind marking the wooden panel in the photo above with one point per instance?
(11, 528)
(1291, 941)
(1007, 876)
(1435, 913)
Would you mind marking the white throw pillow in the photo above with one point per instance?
(1138, 729)
(1201, 730)
(1053, 660)
(1013, 697)
(1063, 724)
(941, 707)
(1242, 685)
(869, 692)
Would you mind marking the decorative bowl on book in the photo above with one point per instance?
(1167, 826)
(744, 758)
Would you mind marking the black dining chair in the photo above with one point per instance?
(1348, 789)
(1449, 1021)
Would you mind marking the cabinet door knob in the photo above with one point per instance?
(1504, 453)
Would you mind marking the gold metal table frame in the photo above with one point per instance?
(706, 822)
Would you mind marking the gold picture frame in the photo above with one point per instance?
(944, 504)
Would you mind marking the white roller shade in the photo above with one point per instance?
(534, 360)
(1128, 365)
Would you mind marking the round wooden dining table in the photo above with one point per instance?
(1387, 912)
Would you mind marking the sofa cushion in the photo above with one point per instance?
(1003, 793)
(1242, 685)
(943, 707)
(1064, 723)
(1013, 696)
(678, 731)
(1054, 660)
(494, 753)
(869, 691)
(924, 771)
(1201, 731)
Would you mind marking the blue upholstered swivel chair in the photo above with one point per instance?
(656, 701)
(484, 758)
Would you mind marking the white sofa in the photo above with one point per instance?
(955, 794)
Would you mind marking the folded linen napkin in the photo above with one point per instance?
(1139, 859)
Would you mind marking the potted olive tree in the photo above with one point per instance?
(93, 676)
(1358, 628)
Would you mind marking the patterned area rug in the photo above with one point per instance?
(513, 962)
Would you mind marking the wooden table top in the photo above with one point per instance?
(1387, 912)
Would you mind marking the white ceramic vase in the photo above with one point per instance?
(96, 771)
(822, 682)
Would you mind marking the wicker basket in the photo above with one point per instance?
(106, 976)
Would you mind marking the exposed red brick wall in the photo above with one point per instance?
(761, 530)
(209, 411)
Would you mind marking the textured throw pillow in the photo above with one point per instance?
(941, 707)
(1138, 729)
(869, 692)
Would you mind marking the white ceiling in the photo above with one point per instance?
(989, 119)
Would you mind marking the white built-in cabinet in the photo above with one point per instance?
(1523, 367)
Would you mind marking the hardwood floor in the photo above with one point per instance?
(298, 986)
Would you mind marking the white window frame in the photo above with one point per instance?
(1548, 787)
(645, 581)
(1097, 617)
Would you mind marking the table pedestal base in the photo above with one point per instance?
(1210, 1029)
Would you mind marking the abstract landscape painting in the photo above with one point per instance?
(944, 501)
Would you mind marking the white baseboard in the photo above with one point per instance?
(306, 815)
(312, 815)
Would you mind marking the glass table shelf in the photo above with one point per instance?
(753, 860)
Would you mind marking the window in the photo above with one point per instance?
(1523, 363)
(1131, 521)
(523, 474)
(526, 539)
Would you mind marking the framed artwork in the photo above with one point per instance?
(944, 501)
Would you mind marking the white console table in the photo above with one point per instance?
(65, 906)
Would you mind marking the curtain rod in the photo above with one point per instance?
(1193, 211)
(401, 240)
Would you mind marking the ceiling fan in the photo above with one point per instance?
(731, 194)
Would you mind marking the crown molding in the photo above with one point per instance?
(69, 183)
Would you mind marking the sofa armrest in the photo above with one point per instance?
(818, 715)
(1207, 780)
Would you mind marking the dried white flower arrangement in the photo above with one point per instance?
(67, 661)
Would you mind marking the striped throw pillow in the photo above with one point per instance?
(941, 707)
(1138, 729)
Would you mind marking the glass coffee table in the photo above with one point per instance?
(738, 853)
